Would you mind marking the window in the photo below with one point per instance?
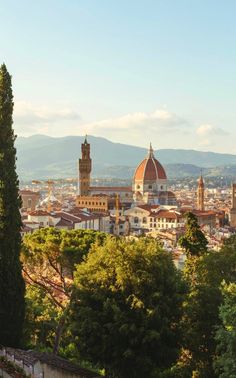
(136, 219)
(149, 186)
(144, 220)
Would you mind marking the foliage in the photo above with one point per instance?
(126, 308)
(201, 308)
(229, 245)
(49, 257)
(11, 281)
(194, 241)
(41, 319)
(230, 242)
(225, 366)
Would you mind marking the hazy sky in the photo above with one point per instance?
(132, 71)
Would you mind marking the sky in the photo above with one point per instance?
(132, 71)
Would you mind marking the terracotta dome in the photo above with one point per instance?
(150, 169)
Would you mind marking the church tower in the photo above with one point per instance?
(201, 194)
(85, 167)
(233, 209)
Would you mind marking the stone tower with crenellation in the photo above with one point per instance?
(201, 194)
(233, 209)
(85, 167)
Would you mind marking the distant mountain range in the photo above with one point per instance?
(41, 156)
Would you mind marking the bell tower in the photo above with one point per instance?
(233, 209)
(85, 167)
(201, 194)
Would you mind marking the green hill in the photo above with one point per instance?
(40, 156)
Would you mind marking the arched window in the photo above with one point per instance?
(136, 219)
(144, 220)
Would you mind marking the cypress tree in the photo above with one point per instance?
(193, 241)
(11, 282)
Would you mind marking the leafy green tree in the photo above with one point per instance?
(201, 308)
(11, 281)
(224, 364)
(49, 257)
(41, 319)
(230, 243)
(126, 308)
(194, 241)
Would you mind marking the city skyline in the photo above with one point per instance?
(131, 72)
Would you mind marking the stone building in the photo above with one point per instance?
(152, 218)
(201, 194)
(150, 185)
(206, 218)
(45, 365)
(97, 199)
(85, 167)
(233, 208)
(73, 219)
(30, 199)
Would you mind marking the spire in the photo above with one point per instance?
(201, 194)
(200, 180)
(85, 139)
(150, 151)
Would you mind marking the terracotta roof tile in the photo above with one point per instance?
(39, 213)
(150, 169)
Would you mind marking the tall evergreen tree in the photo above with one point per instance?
(193, 241)
(11, 282)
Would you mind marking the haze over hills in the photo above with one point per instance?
(41, 156)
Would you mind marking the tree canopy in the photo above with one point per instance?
(201, 308)
(49, 257)
(194, 241)
(126, 308)
(224, 363)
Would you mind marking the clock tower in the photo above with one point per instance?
(85, 167)
(201, 194)
(233, 209)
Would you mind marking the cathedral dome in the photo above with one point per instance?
(150, 169)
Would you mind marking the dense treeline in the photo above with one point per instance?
(122, 307)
